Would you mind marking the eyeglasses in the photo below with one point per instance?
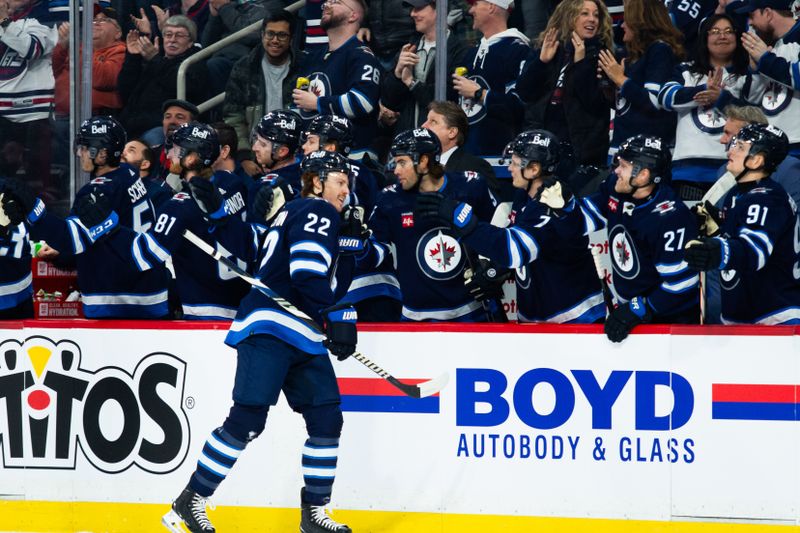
(105, 21)
(334, 2)
(282, 36)
(717, 31)
(175, 35)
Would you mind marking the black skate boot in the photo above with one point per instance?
(313, 519)
(189, 508)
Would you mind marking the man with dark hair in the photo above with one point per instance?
(346, 82)
(174, 114)
(448, 121)
(263, 80)
(228, 146)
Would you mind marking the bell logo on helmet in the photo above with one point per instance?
(287, 124)
(541, 141)
(421, 133)
(775, 131)
(339, 120)
(201, 133)
(652, 143)
(102, 128)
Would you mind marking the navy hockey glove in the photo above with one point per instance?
(446, 211)
(94, 211)
(707, 254)
(19, 204)
(484, 280)
(625, 317)
(340, 329)
(353, 232)
(208, 199)
(271, 198)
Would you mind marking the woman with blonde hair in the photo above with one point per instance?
(559, 81)
(653, 47)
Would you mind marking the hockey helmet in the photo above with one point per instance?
(199, 138)
(280, 127)
(535, 146)
(331, 128)
(99, 132)
(767, 140)
(646, 151)
(416, 142)
(322, 162)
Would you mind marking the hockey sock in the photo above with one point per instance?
(219, 455)
(319, 468)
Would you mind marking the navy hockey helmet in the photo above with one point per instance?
(535, 146)
(280, 127)
(646, 151)
(332, 128)
(767, 140)
(322, 162)
(199, 138)
(101, 132)
(416, 142)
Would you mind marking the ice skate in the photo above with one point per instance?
(190, 509)
(314, 519)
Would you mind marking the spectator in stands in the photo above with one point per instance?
(774, 22)
(698, 93)
(386, 29)
(174, 113)
(409, 87)
(264, 79)
(228, 17)
(653, 47)
(449, 123)
(155, 11)
(347, 80)
(149, 77)
(316, 40)
(26, 93)
(487, 92)
(560, 81)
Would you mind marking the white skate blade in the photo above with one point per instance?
(173, 522)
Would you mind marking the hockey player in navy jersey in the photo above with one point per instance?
(277, 351)
(648, 227)
(109, 288)
(430, 259)
(206, 290)
(546, 244)
(346, 81)
(334, 133)
(758, 249)
(16, 289)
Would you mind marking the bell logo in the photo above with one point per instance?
(541, 141)
(652, 143)
(287, 124)
(419, 132)
(102, 128)
(53, 407)
(201, 133)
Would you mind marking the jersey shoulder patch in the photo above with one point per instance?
(662, 208)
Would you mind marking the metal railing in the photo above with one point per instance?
(209, 50)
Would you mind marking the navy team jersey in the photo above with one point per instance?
(295, 257)
(109, 287)
(430, 260)
(15, 267)
(761, 241)
(495, 64)
(206, 289)
(347, 82)
(555, 273)
(646, 241)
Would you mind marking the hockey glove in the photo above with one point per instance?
(94, 211)
(353, 232)
(271, 198)
(340, 329)
(554, 194)
(708, 219)
(627, 316)
(484, 280)
(19, 203)
(446, 211)
(208, 199)
(707, 254)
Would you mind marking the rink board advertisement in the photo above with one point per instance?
(535, 422)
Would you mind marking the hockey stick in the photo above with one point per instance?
(608, 297)
(420, 390)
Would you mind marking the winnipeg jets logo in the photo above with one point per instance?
(439, 255)
(622, 106)
(708, 119)
(729, 279)
(474, 109)
(623, 254)
(776, 98)
(320, 85)
(523, 280)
